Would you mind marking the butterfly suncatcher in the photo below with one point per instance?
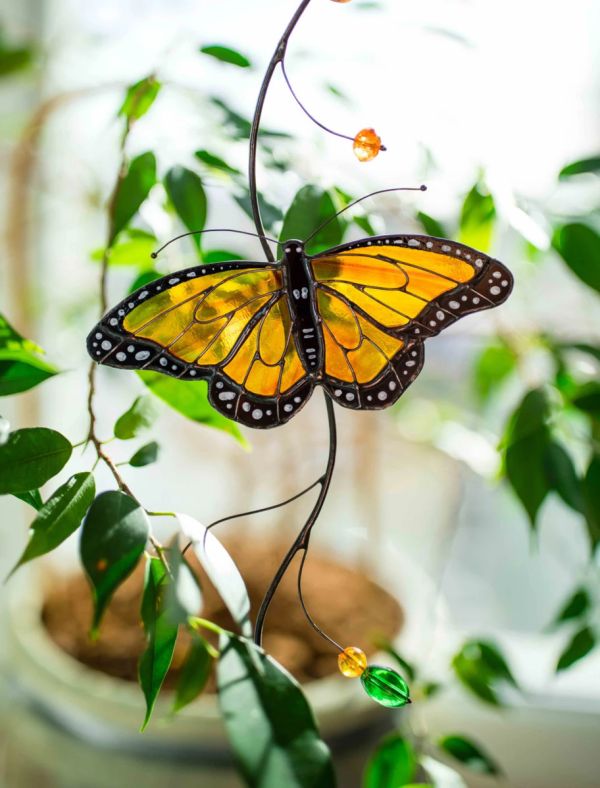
(352, 319)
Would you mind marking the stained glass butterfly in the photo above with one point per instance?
(352, 319)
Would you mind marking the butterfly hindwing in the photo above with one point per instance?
(379, 298)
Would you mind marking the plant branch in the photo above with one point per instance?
(277, 58)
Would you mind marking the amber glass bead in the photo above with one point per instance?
(367, 145)
(352, 662)
(341, 1)
(385, 686)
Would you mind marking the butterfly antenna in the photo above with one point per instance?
(421, 188)
(155, 254)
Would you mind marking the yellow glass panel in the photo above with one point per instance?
(335, 360)
(453, 267)
(274, 333)
(387, 344)
(224, 342)
(374, 308)
(238, 367)
(237, 290)
(196, 339)
(170, 299)
(340, 319)
(293, 370)
(398, 300)
(367, 362)
(263, 380)
(359, 269)
(427, 286)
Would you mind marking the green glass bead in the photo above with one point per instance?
(385, 686)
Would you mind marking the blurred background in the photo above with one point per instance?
(486, 103)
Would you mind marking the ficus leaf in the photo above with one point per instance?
(194, 672)
(587, 398)
(184, 596)
(310, 208)
(478, 218)
(468, 753)
(59, 517)
(146, 455)
(492, 367)
(187, 194)
(482, 669)
(30, 457)
(220, 256)
(215, 162)
(227, 55)
(394, 763)
(409, 669)
(562, 476)
(21, 367)
(113, 537)
(579, 167)
(525, 453)
(580, 645)
(190, 399)
(161, 634)
(139, 98)
(270, 213)
(591, 500)
(133, 189)
(576, 606)
(431, 225)
(32, 497)
(269, 723)
(221, 569)
(579, 246)
(136, 419)
(133, 248)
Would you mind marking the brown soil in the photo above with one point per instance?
(344, 602)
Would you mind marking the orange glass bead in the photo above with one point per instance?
(352, 662)
(367, 145)
(341, 1)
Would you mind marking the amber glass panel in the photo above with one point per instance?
(367, 362)
(402, 302)
(387, 344)
(238, 367)
(427, 286)
(195, 340)
(293, 370)
(175, 296)
(274, 333)
(453, 267)
(374, 308)
(335, 360)
(263, 380)
(340, 319)
(358, 269)
(225, 341)
(236, 291)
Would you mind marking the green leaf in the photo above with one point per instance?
(587, 398)
(269, 723)
(146, 455)
(184, 597)
(477, 218)
(220, 256)
(482, 669)
(591, 500)
(22, 372)
(578, 167)
(221, 569)
(392, 765)
(364, 223)
(215, 162)
(134, 247)
(384, 645)
(194, 672)
(186, 192)
(239, 127)
(59, 517)
(309, 209)
(492, 367)
(21, 367)
(139, 98)
(140, 416)
(161, 634)
(431, 225)
(4, 430)
(582, 347)
(578, 647)
(525, 453)
(14, 58)
(113, 538)
(133, 189)
(270, 214)
(469, 754)
(143, 279)
(31, 457)
(562, 476)
(579, 247)
(575, 607)
(32, 497)
(190, 399)
(226, 55)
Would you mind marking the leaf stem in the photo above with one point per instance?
(202, 623)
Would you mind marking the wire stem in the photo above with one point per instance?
(303, 538)
(278, 56)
